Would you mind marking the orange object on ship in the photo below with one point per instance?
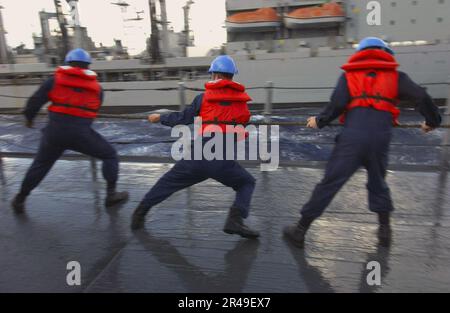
(326, 10)
(260, 15)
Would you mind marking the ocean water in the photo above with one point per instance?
(133, 137)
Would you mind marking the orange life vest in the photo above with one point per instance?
(224, 103)
(372, 80)
(75, 92)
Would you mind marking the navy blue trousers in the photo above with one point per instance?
(58, 137)
(354, 149)
(186, 173)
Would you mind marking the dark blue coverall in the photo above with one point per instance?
(65, 132)
(364, 142)
(186, 173)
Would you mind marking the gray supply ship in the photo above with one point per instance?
(291, 43)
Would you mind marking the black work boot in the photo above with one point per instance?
(18, 204)
(384, 229)
(114, 197)
(296, 233)
(138, 218)
(235, 225)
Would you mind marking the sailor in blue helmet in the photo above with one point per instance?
(223, 102)
(75, 98)
(365, 98)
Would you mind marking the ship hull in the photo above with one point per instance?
(427, 65)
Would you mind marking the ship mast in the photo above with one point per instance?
(154, 50)
(164, 23)
(62, 25)
(78, 39)
(3, 46)
(187, 38)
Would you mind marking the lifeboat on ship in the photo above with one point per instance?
(261, 20)
(326, 15)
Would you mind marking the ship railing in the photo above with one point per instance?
(269, 90)
(444, 164)
(445, 156)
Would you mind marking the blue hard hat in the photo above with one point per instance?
(374, 42)
(78, 55)
(223, 64)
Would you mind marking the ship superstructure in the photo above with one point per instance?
(290, 43)
(336, 24)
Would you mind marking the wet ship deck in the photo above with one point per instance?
(184, 249)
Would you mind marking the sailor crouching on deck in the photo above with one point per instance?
(365, 97)
(76, 97)
(224, 101)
